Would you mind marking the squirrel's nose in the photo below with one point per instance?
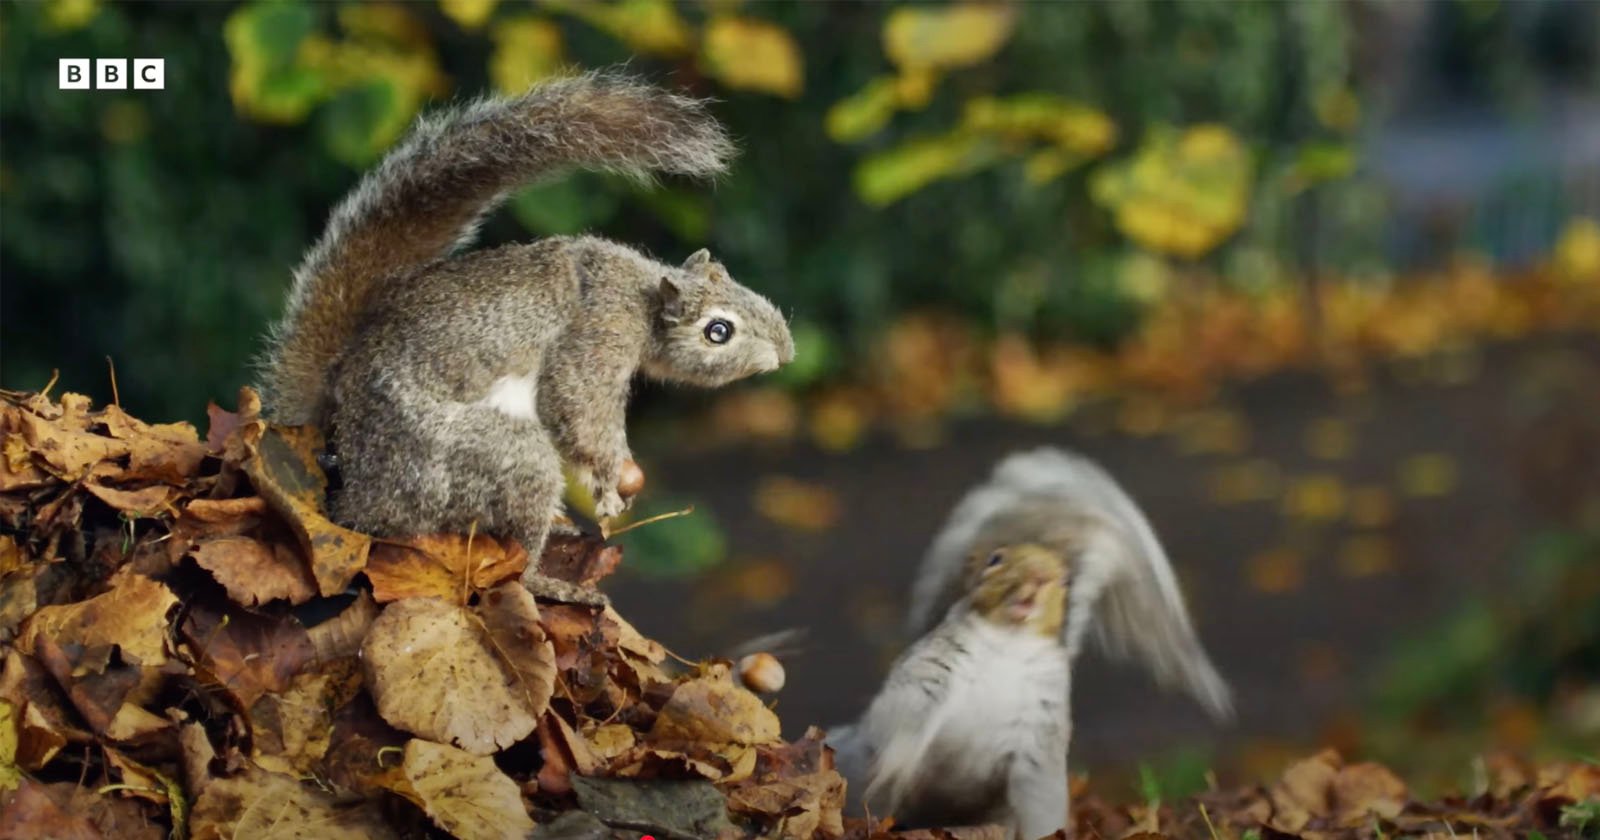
(786, 351)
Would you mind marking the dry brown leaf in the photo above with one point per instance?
(138, 780)
(713, 709)
(1305, 791)
(132, 614)
(29, 813)
(283, 469)
(292, 729)
(169, 452)
(268, 806)
(581, 559)
(563, 753)
(477, 680)
(255, 572)
(464, 794)
(221, 517)
(120, 818)
(197, 755)
(65, 452)
(447, 566)
(610, 740)
(802, 806)
(247, 654)
(341, 636)
(38, 739)
(1365, 789)
(144, 502)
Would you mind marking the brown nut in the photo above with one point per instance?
(761, 672)
(631, 481)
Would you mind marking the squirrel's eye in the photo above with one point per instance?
(718, 331)
(994, 559)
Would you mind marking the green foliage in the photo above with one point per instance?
(945, 158)
(678, 547)
(1583, 818)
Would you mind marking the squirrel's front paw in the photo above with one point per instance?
(609, 503)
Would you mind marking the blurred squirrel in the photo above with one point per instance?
(453, 386)
(973, 723)
(1122, 586)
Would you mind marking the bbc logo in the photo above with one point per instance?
(113, 74)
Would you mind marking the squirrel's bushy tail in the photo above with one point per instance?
(428, 195)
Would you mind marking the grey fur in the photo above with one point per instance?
(1124, 585)
(455, 386)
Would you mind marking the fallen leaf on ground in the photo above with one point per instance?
(464, 794)
(475, 679)
(342, 635)
(446, 566)
(132, 615)
(259, 804)
(713, 709)
(255, 572)
(247, 654)
(283, 469)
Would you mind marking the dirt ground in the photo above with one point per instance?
(1297, 599)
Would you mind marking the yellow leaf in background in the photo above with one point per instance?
(893, 174)
(67, 15)
(267, 81)
(526, 49)
(1428, 475)
(653, 27)
(914, 86)
(1577, 252)
(1365, 556)
(1181, 193)
(800, 505)
(1276, 571)
(389, 22)
(1329, 439)
(865, 112)
(838, 420)
(1216, 431)
(950, 36)
(1074, 127)
(749, 54)
(1337, 108)
(1144, 277)
(1316, 498)
(468, 14)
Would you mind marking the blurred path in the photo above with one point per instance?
(1310, 531)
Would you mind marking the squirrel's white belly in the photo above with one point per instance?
(516, 396)
(1000, 703)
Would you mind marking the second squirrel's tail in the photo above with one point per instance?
(428, 195)
(1123, 585)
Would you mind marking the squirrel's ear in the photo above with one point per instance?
(697, 260)
(671, 300)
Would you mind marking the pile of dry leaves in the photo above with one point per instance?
(191, 648)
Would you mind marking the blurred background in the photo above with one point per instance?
(1319, 281)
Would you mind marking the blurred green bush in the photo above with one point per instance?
(896, 156)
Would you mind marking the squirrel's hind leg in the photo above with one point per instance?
(514, 472)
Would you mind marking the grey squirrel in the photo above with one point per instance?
(1123, 585)
(454, 386)
(973, 721)
(971, 725)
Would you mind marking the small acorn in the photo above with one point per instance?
(631, 481)
(761, 673)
